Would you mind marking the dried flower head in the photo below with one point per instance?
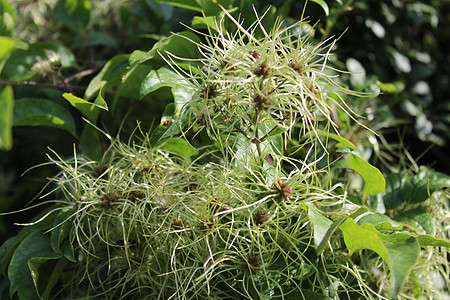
(245, 83)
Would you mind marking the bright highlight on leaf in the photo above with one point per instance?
(6, 111)
(90, 110)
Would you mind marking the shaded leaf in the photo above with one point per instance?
(23, 271)
(402, 190)
(133, 76)
(111, 73)
(19, 64)
(95, 38)
(167, 125)
(10, 245)
(178, 44)
(62, 227)
(42, 112)
(6, 118)
(165, 11)
(75, 14)
(90, 143)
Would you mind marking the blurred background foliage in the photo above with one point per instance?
(396, 50)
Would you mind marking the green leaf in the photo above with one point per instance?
(205, 23)
(164, 11)
(95, 38)
(23, 271)
(178, 146)
(343, 142)
(6, 117)
(428, 240)
(8, 248)
(373, 179)
(7, 19)
(19, 64)
(181, 44)
(90, 143)
(62, 227)
(188, 4)
(402, 190)
(379, 221)
(42, 112)
(165, 77)
(419, 220)
(399, 251)
(167, 126)
(111, 73)
(75, 14)
(323, 228)
(88, 109)
(324, 6)
(133, 77)
(53, 277)
(7, 45)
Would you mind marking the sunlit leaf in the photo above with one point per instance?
(324, 6)
(419, 220)
(6, 118)
(188, 4)
(399, 251)
(164, 77)
(373, 179)
(7, 45)
(7, 19)
(90, 110)
(379, 221)
(178, 146)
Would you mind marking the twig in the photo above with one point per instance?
(59, 86)
(80, 74)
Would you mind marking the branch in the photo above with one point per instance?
(59, 86)
(80, 74)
